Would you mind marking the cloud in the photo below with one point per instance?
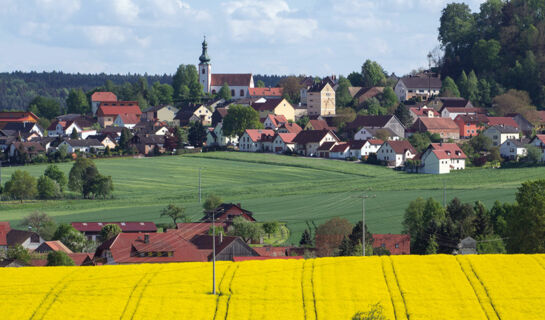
(126, 9)
(113, 36)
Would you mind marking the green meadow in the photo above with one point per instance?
(284, 188)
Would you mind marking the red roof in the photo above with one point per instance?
(506, 121)
(541, 114)
(423, 111)
(287, 137)
(319, 124)
(125, 226)
(129, 118)
(448, 151)
(18, 116)
(232, 79)
(269, 251)
(341, 147)
(238, 259)
(54, 246)
(190, 229)
(265, 92)
(375, 141)
(4, 229)
(104, 97)
(80, 257)
(259, 134)
(400, 147)
(276, 120)
(292, 127)
(395, 243)
(120, 107)
(471, 118)
(426, 124)
(540, 137)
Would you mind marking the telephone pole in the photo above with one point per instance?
(363, 197)
(213, 253)
(199, 185)
(444, 194)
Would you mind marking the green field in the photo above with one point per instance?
(274, 187)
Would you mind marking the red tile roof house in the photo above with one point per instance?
(283, 142)
(98, 97)
(307, 142)
(341, 150)
(265, 92)
(440, 158)
(453, 112)
(395, 243)
(252, 139)
(395, 153)
(471, 125)
(10, 237)
(108, 111)
(325, 149)
(289, 127)
(318, 124)
(376, 122)
(502, 121)
(49, 246)
(226, 212)
(423, 111)
(445, 127)
(363, 148)
(92, 229)
(18, 116)
(273, 121)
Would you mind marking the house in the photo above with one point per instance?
(108, 111)
(151, 127)
(514, 149)
(318, 124)
(441, 158)
(363, 148)
(30, 148)
(340, 150)
(160, 113)
(452, 112)
(471, 125)
(251, 140)
(445, 127)
(321, 98)
(283, 142)
(126, 120)
(226, 212)
(454, 102)
(396, 244)
(422, 87)
(273, 121)
(107, 140)
(218, 115)
(21, 129)
(325, 149)
(502, 121)
(377, 122)
(239, 83)
(65, 126)
(11, 237)
(524, 124)
(307, 142)
(498, 134)
(277, 106)
(395, 153)
(112, 131)
(92, 229)
(362, 94)
(148, 143)
(49, 246)
(289, 127)
(49, 143)
(467, 245)
(265, 92)
(374, 133)
(215, 137)
(194, 113)
(305, 83)
(18, 116)
(87, 145)
(538, 141)
(98, 97)
(423, 111)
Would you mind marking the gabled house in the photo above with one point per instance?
(498, 134)
(340, 150)
(471, 125)
(87, 145)
(11, 237)
(502, 121)
(395, 153)
(18, 116)
(524, 124)
(218, 115)
(539, 141)
(195, 113)
(30, 149)
(362, 94)
(363, 148)
(320, 98)
(126, 120)
(289, 127)
(396, 244)
(377, 122)
(273, 121)
(307, 142)
(49, 246)
(318, 124)
(452, 112)
(107, 140)
(252, 139)
(226, 212)
(91, 230)
(108, 111)
(325, 149)
(445, 127)
(423, 111)
(441, 158)
(160, 113)
(148, 143)
(417, 87)
(283, 142)
(276, 106)
(63, 128)
(454, 102)
(375, 133)
(265, 92)
(21, 129)
(514, 149)
(99, 97)
(215, 137)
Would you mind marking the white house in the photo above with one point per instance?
(274, 122)
(126, 120)
(395, 153)
(371, 133)
(453, 112)
(417, 86)
(284, 142)
(498, 134)
(82, 145)
(251, 140)
(441, 158)
(340, 151)
(513, 149)
(307, 142)
(539, 141)
(215, 137)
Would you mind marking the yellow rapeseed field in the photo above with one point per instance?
(407, 287)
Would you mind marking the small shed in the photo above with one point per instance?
(467, 246)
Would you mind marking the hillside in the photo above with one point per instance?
(407, 287)
(275, 187)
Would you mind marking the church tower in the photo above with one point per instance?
(205, 68)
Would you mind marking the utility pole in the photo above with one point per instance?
(444, 194)
(199, 185)
(363, 197)
(213, 253)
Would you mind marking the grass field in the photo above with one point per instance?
(274, 187)
(467, 287)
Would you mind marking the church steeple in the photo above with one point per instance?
(204, 58)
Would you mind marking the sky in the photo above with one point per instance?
(320, 37)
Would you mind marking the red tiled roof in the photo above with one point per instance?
(506, 121)
(54, 246)
(259, 134)
(190, 229)
(435, 124)
(269, 251)
(287, 137)
(472, 118)
(341, 147)
(265, 92)
(400, 147)
(423, 111)
(80, 257)
(276, 120)
(238, 259)
(309, 136)
(104, 97)
(269, 105)
(18, 116)
(4, 229)
(389, 241)
(292, 127)
(540, 137)
(130, 226)
(129, 118)
(375, 141)
(120, 107)
(451, 150)
(232, 79)
(318, 124)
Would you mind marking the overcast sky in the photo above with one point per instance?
(318, 37)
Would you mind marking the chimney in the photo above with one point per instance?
(146, 238)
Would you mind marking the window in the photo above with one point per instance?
(233, 92)
(35, 238)
(214, 91)
(397, 245)
(241, 92)
(203, 71)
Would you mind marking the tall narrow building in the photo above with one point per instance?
(205, 68)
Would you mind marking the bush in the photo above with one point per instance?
(21, 186)
(48, 188)
(59, 258)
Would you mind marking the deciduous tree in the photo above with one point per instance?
(175, 213)
(21, 186)
(239, 119)
(59, 258)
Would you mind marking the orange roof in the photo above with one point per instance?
(259, 134)
(506, 121)
(265, 92)
(422, 111)
(436, 124)
(319, 124)
(18, 116)
(276, 120)
(292, 127)
(375, 141)
(104, 97)
(129, 118)
(232, 79)
(58, 246)
(120, 107)
(287, 137)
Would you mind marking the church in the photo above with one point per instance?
(239, 83)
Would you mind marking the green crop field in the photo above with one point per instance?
(274, 187)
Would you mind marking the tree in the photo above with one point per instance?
(432, 246)
(40, 223)
(71, 237)
(212, 202)
(533, 154)
(59, 258)
(472, 87)
(330, 234)
(181, 136)
(74, 135)
(291, 87)
(342, 95)
(21, 186)
(125, 140)
(403, 115)
(175, 213)
(515, 101)
(53, 172)
(389, 98)
(185, 84)
(239, 119)
(260, 84)
(457, 26)
(77, 175)
(109, 231)
(306, 239)
(197, 134)
(344, 116)
(420, 141)
(19, 253)
(162, 93)
(77, 102)
(48, 188)
(225, 92)
(463, 84)
(373, 74)
(98, 186)
(423, 219)
(356, 79)
(271, 227)
(45, 107)
(449, 88)
(248, 231)
(526, 226)
(302, 122)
